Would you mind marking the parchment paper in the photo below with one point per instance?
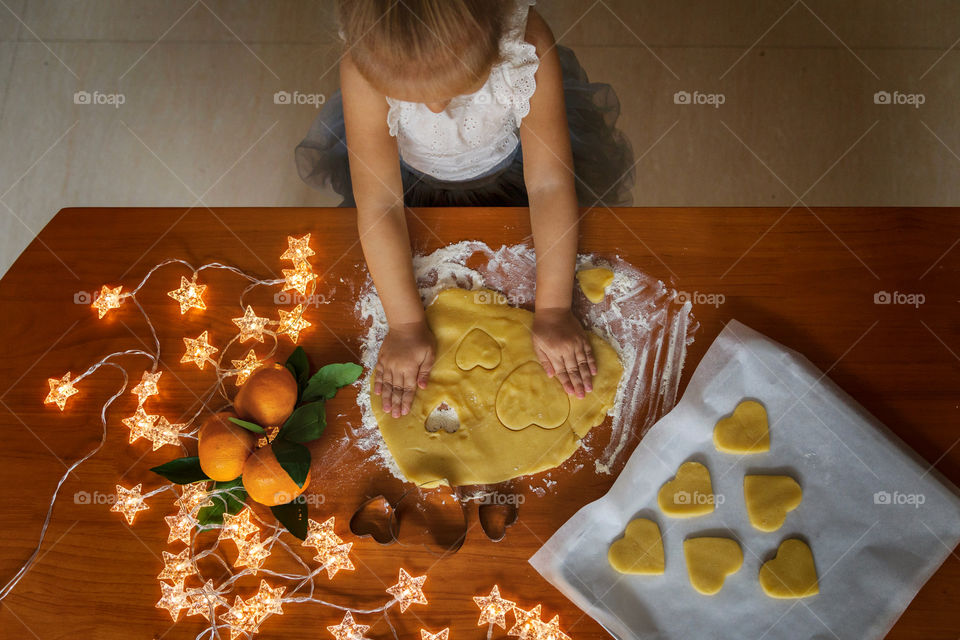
(878, 520)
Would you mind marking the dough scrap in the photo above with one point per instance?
(744, 431)
(710, 561)
(478, 349)
(528, 397)
(482, 450)
(769, 498)
(594, 283)
(791, 574)
(689, 494)
(640, 550)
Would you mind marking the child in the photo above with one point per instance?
(458, 103)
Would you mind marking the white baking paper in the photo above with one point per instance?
(878, 520)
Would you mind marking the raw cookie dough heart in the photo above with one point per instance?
(791, 574)
(478, 349)
(744, 431)
(710, 561)
(640, 550)
(769, 498)
(594, 283)
(689, 494)
(529, 397)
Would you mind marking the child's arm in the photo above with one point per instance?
(407, 353)
(558, 338)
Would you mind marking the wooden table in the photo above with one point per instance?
(806, 279)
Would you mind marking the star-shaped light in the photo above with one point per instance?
(174, 599)
(194, 498)
(251, 554)
(141, 425)
(551, 630)
(181, 526)
(189, 295)
(177, 567)
(237, 527)
(493, 608)
(298, 249)
(270, 601)
(348, 629)
(292, 323)
(147, 386)
(241, 618)
(298, 278)
(198, 350)
(408, 590)
(321, 535)
(245, 367)
(129, 502)
(164, 432)
(106, 300)
(335, 559)
(443, 634)
(245, 616)
(202, 599)
(251, 325)
(60, 390)
(527, 625)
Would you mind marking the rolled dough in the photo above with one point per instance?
(744, 431)
(594, 283)
(640, 550)
(710, 561)
(769, 498)
(689, 494)
(791, 574)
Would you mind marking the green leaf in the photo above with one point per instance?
(326, 381)
(182, 470)
(294, 458)
(293, 516)
(306, 423)
(299, 366)
(230, 502)
(249, 426)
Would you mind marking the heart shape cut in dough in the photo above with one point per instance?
(594, 283)
(640, 550)
(689, 494)
(769, 498)
(710, 561)
(478, 349)
(744, 431)
(791, 574)
(529, 397)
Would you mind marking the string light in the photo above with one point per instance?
(551, 630)
(147, 386)
(129, 502)
(181, 526)
(164, 433)
(528, 623)
(177, 566)
(198, 350)
(320, 535)
(493, 608)
(238, 527)
(107, 299)
(60, 390)
(348, 629)
(298, 278)
(194, 498)
(443, 634)
(251, 325)
(245, 616)
(246, 366)
(251, 554)
(298, 249)
(408, 590)
(189, 295)
(201, 600)
(174, 599)
(292, 323)
(141, 425)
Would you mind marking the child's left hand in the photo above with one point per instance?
(563, 349)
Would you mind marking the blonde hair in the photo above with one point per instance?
(428, 48)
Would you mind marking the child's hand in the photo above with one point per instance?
(406, 358)
(563, 349)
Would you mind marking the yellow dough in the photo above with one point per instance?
(481, 450)
(744, 431)
(689, 494)
(478, 349)
(594, 283)
(640, 550)
(710, 561)
(791, 574)
(769, 498)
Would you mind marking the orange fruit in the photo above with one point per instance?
(268, 396)
(267, 482)
(223, 447)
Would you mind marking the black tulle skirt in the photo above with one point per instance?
(602, 155)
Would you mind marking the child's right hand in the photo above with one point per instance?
(406, 358)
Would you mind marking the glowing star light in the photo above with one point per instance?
(348, 629)
(292, 323)
(443, 634)
(321, 536)
(60, 391)
(189, 295)
(108, 299)
(335, 559)
(551, 630)
(299, 278)
(408, 590)
(181, 526)
(528, 623)
(238, 527)
(251, 325)
(298, 249)
(147, 386)
(198, 350)
(177, 567)
(202, 600)
(493, 608)
(165, 433)
(141, 425)
(251, 554)
(129, 502)
(245, 367)
(194, 498)
(174, 599)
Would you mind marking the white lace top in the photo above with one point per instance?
(478, 131)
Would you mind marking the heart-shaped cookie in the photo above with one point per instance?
(594, 283)
(689, 494)
(744, 431)
(710, 561)
(640, 550)
(791, 574)
(769, 498)
(478, 349)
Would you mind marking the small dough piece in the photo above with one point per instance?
(791, 574)
(594, 283)
(478, 349)
(640, 550)
(710, 561)
(530, 397)
(744, 431)
(689, 494)
(769, 498)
